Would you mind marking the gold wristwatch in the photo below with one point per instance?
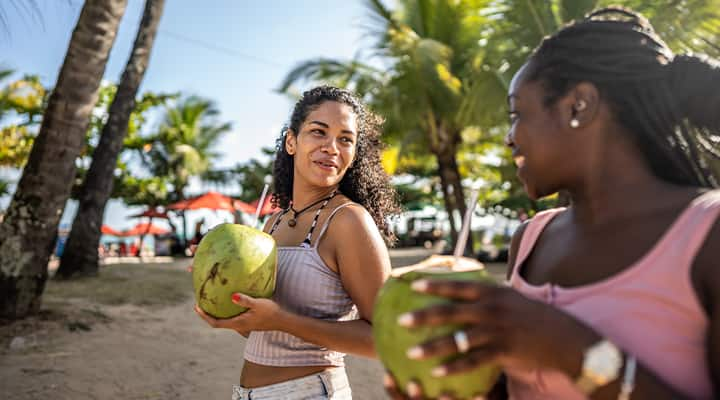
(601, 365)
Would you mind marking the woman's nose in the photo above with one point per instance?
(329, 145)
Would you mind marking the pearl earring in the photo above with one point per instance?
(574, 123)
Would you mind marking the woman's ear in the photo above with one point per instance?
(290, 142)
(580, 105)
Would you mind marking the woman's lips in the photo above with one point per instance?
(326, 165)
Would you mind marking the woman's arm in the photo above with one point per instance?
(507, 328)
(363, 264)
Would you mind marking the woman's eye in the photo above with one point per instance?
(317, 132)
(347, 140)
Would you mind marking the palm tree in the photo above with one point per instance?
(183, 146)
(29, 228)
(449, 64)
(80, 257)
(433, 49)
(687, 26)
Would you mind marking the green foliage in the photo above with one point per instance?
(149, 192)
(4, 187)
(22, 102)
(15, 144)
(251, 175)
(132, 189)
(685, 25)
(418, 194)
(183, 145)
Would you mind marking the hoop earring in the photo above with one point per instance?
(574, 123)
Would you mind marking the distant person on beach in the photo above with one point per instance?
(331, 232)
(616, 296)
(198, 232)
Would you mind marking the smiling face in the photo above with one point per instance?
(324, 147)
(543, 145)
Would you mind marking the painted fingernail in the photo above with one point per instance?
(388, 381)
(413, 389)
(406, 319)
(236, 297)
(439, 371)
(419, 285)
(415, 352)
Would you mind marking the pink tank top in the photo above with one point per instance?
(650, 309)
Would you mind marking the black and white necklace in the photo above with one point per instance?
(293, 221)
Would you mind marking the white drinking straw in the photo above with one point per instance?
(462, 238)
(260, 205)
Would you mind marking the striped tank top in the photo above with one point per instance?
(650, 309)
(305, 286)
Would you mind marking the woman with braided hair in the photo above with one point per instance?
(616, 296)
(331, 233)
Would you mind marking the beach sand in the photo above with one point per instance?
(77, 348)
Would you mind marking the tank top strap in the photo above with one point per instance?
(327, 221)
(530, 236)
(278, 218)
(690, 231)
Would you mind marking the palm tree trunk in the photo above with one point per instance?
(80, 257)
(448, 200)
(450, 177)
(29, 230)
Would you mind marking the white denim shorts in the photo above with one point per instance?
(331, 384)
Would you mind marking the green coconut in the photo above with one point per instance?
(233, 258)
(392, 340)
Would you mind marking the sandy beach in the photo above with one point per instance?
(113, 338)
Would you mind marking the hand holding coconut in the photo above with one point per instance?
(495, 327)
(502, 327)
(261, 315)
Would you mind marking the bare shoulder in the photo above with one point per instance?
(352, 232)
(352, 217)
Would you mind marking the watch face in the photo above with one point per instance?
(602, 362)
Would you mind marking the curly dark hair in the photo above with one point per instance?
(365, 182)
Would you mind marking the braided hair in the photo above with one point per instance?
(669, 104)
(365, 182)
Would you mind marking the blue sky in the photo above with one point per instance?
(235, 52)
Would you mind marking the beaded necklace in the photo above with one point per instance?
(306, 242)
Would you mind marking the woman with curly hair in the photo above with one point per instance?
(332, 257)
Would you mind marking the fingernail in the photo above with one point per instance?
(406, 319)
(420, 285)
(236, 297)
(388, 381)
(413, 389)
(415, 352)
(439, 371)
